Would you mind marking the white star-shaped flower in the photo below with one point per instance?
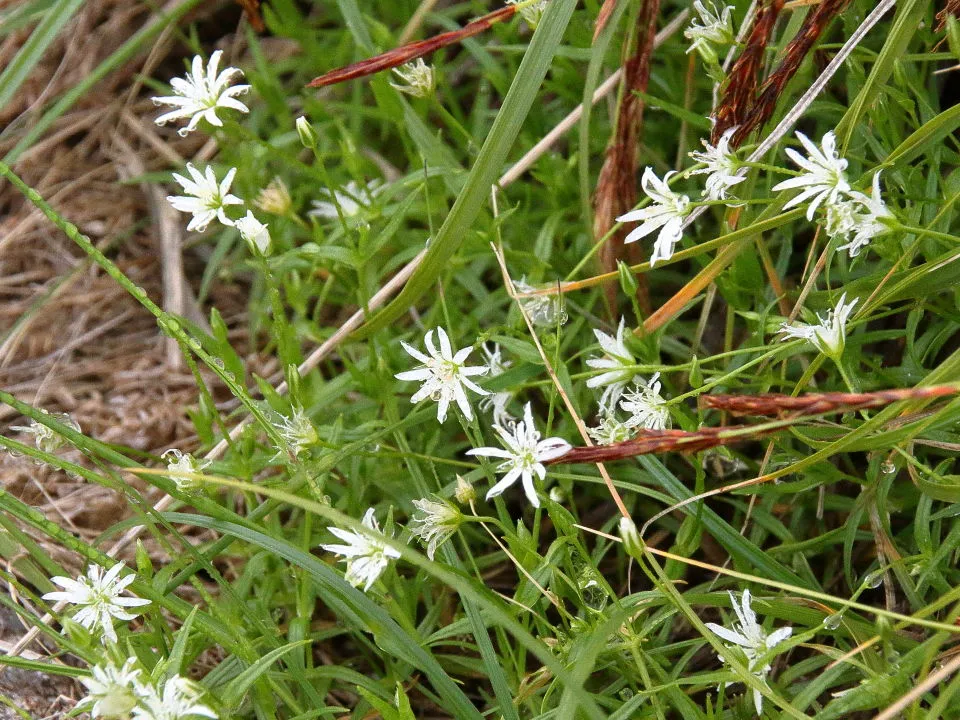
(720, 164)
(829, 335)
(524, 455)
(665, 213)
(752, 639)
(715, 27)
(617, 362)
(201, 94)
(416, 79)
(111, 691)
(351, 198)
(98, 595)
(178, 701)
(824, 179)
(366, 557)
(646, 406)
(443, 374)
(864, 217)
(206, 198)
(434, 523)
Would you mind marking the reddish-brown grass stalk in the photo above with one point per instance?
(412, 51)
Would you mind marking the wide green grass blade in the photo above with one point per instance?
(905, 25)
(488, 165)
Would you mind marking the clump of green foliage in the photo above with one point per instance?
(828, 587)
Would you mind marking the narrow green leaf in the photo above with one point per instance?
(33, 49)
(458, 223)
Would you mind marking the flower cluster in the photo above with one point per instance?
(850, 216)
(205, 197)
(114, 692)
(823, 182)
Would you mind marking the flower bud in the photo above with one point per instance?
(255, 233)
(308, 135)
(632, 542)
(464, 493)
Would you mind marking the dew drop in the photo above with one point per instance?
(832, 622)
(592, 592)
(888, 468)
(873, 580)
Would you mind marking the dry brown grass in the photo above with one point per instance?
(70, 339)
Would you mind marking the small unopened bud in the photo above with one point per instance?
(631, 538)
(557, 494)
(464, 493)
(628, 281)
(255, 233)
(308, 135)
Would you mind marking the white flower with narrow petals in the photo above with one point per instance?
(752, 639)
(351, 199)
(720, 164)
(111, 691)
(829, 335)
(715, 28)
(523, 456)
(181, 462)
(180, 699)
(366, 557)
(824, 178)
(443, 374)
(646, 406)
(868, 218)
(255, 233)
(434, 523)
(98, 595)
(666, 213)
(201, 94)
(617, 363)
(496, 402)
(416, 79)
(206, 198)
